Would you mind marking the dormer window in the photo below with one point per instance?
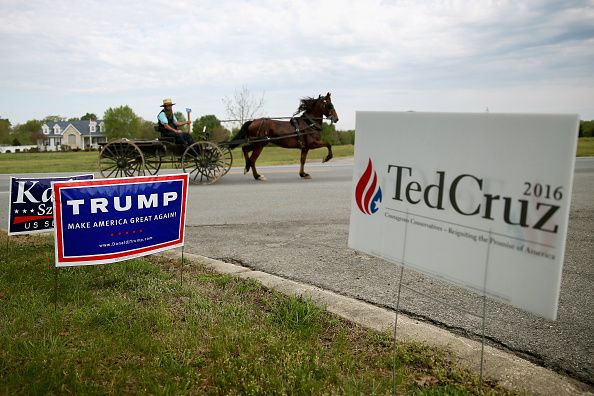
(92, 126)
(101, 127)
(57, 129)
(45, 129)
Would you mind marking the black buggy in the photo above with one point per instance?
(205, 161)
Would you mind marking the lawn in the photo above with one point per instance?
(585, 147)
(134, 328)
(87, 161)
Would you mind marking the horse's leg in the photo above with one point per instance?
(255, 154)
(329, 156)
(246, 150)
(302, 168)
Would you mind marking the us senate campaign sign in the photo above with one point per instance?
(30, 208)
(109, 220)
(481, 200)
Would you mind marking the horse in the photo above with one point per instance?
(302, 132)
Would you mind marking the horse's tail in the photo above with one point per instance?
(242, 134)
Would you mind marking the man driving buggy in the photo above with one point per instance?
(169, 126)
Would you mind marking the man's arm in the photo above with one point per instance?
(183, 123)
(169, 128)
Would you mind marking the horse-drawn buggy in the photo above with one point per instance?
(207, 161)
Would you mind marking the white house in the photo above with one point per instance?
(76, 134)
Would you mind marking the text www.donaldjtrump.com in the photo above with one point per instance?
(126, 242)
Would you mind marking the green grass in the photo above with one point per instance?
(132, 328)
(585, 147)
(87, 161)
(49, 162)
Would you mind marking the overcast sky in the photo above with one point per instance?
(72, 57)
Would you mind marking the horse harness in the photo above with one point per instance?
(311, 127)
(311, 124)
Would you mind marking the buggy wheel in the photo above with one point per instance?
(152, 161)
(227, 158)
(204, 162)
(121, 158)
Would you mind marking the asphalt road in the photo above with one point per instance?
(298, 229)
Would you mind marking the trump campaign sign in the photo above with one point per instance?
(110, 220)
(30, 208)
(481, 200)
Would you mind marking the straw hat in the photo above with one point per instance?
(167, 102)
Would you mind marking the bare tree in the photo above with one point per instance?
(243, 106)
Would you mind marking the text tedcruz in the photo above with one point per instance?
(414, 193)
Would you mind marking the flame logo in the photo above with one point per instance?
(367, 194)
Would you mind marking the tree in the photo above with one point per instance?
(586, 128)
(121, 122)
(71, 119)
(346, 137)
(4, 130)
(54, 118)
(208, 127)
(329, 134)
(243, 105)
(88, 117)
(146, 130)
(180, 117)
(28, 133)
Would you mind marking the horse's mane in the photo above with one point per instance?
(306, 104)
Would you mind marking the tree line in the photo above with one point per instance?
(122, 122)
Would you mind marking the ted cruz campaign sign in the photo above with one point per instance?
(30, 209)
(109, 220)
(481, 200)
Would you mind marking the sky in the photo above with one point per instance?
(519, 56)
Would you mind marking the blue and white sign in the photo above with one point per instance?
(30, 208)
(481, 200)
(110, 220)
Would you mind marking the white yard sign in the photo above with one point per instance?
(481, 200)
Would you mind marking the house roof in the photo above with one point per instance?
(82, 126)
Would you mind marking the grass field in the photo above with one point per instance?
(585, 147)
(87, 161)
(133, 328)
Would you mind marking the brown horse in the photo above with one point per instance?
(302, 132)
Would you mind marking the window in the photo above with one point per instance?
(92, 126)
(45, 129)
(71, 140)
(57, 129)
(101, 127)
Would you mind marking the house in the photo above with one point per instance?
(55, 136)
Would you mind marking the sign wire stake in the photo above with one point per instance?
(7, 248)
(394, 391)
(484, 312)
(395, 331)
(55, 289)
(181, 272)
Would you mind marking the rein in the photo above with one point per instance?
(273, 118)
